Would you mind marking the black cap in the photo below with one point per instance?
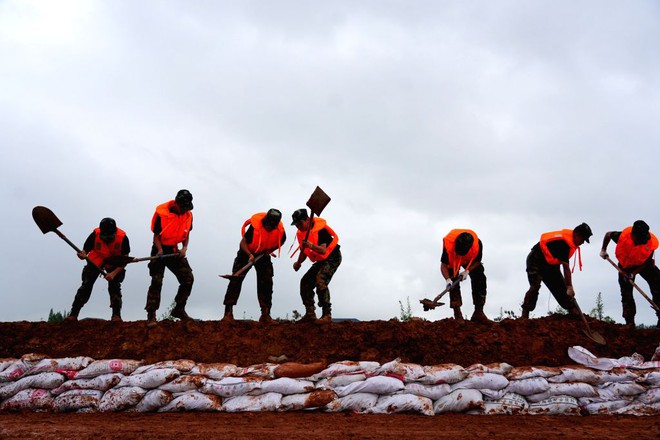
(464, 242)
(184, 199)
(273, 217)
(584, 230)
(641, 231)
(108, 226)
(299, 215)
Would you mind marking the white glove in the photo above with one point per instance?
(570, 292)
(464, 275)
(449, 283)
(603, 254)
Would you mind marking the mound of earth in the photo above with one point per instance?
(534, 342)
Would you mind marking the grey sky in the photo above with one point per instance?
(511, 118)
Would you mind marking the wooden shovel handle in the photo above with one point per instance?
(70, 243)
(622, 272)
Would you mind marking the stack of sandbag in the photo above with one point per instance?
(592, 386)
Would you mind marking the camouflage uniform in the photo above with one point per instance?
(89, 276)
(478, 283)
(264, 268)
(538, 270)
(318, 276)
(181, 270)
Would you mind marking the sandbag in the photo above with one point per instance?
(183, 365)
(651, 395)
(297, 370)
(266, 371)
(616, 390)
(340, 381)
(459, 401)
(188, 382)
(373, 385)
(264, 402)
(527, 387)
(443, 373)
(6, 362)
(316, 399)
(54, 365)
(13, 371)
(639, 409)
(43, 380)
(345, 367)
(358, 402)
(606, 407)
(151, 379)
(31, 398)
(75, 400)
(555, 406)
(519, 373)
(409, 372)
(119, 399)
(153, 400)
(216, 370)
(107, 366)
(574, 389)
(509, 404)
(402, 403)
(103, 383)
(433, 392)
(193, 401)
(618, 374)
(575, 374)
(284, 386)
(230, 386)
(478, 380)
(496, 368)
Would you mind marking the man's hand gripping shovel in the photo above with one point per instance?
(430, 304)
(639, 289)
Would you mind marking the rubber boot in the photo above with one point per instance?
(265, 316)
(458, 316)
(116, 315)
(630, 322)
(326, 316)
(151, 318)
(525, 314)
(309, 316)
(479, 315)
(73, 315)
(180, 312)
(229, 314)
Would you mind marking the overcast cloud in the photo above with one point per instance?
(511, 118)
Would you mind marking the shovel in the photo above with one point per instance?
(430, 304)
(47, 221)
(616, 266)
(316, 203)
(239, 272)
(593, 335)
(123, 260)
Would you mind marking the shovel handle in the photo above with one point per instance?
(622, 272)
(70, 243)
(240, 271)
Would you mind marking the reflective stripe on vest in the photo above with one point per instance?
(630, 255)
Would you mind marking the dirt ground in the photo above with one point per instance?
(537, 342)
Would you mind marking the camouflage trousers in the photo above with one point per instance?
(318, 277)
(264, 269)
(651, 274)
(89, 276)
(183, 273)
(478, 284)
(539, 271)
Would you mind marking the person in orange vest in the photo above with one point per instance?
(318, 242)
(171, 225)
(461, 248)
(553, 250)
(265, 234)
(105, 241)
(635, 247)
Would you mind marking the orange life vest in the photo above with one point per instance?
(630, 255)
(455, 260)
(318, 225)
(103, 250)
(564, 234)
(262, 239)
(174, 227)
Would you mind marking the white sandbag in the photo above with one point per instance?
(584, 357)
(188, 382)
(153, 400)
(575, 374)
(459, 401)
(263, 402)
(650, 378)
(183, 365)
(13, 371)
(509, 404)
(345, 367)
(478, 380)
(75, 400)
(493, 394)
(640, 409)
(605, 407)
(31, 398)
(230, 386)
(103, 383)
(193, 401)
(574, 389)
(652, 395)
(216, 370)
(43, 380)
(555, 406)
(54, 365)
(618, 374)
(443, 373)
(519, 373)
(373, 385)
(358, 402)
(6, 363)
(119, 399)
(616, 390)
(402, 403)
(284, 386)
(527, 387)
(340, 381)
(265, 371)
(316, 399)
(409, 372)
(151, 379)
(496, 368)
(107, 366)
(433, 392)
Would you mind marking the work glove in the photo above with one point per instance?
(629, 277)
(449, 283)
(603, 254)
(570, 292)
(464, 275)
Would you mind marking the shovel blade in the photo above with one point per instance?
(318, 201)
(595, 336)
(45, 219)
(231, 277)
(430, 304)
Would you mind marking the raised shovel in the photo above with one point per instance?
(47, 221)
(616, 266)
(316, 204)
(593, 335)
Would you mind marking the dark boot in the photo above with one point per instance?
(458, 316)
(326, 316)
(630, 322)
(265, 317)
(151, 318)
(116, 314)
(180, 312)
(229, 314)
(525, 314)
(479, 315)
(73, 315)
(309, 316)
